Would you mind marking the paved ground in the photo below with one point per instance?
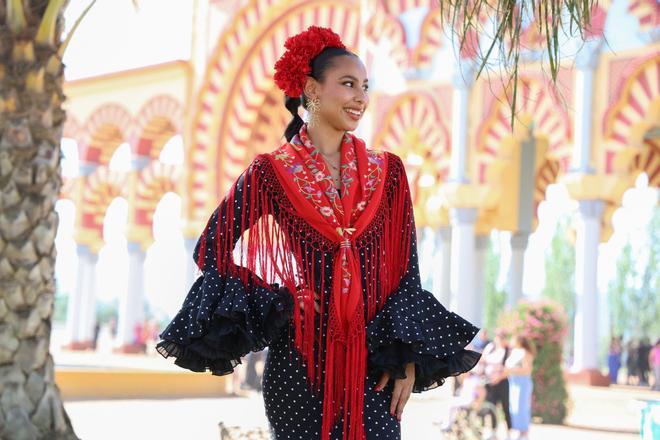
(598, 414)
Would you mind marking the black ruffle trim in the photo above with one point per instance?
(417, 328)
(220, 322)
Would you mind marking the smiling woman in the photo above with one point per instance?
(338, 296)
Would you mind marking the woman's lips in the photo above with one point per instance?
(353, 116)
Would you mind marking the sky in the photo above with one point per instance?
(117, 36)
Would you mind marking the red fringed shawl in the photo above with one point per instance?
(289, 206)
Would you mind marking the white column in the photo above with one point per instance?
(462, 255)
(480, 247)
(78, 305)
(192, 271)
(586, 287)
(131, 303)
(586, 62)
(462, 80)
(441, 277)
(88, 298)
(518, 243)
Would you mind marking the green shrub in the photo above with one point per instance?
(544, 324)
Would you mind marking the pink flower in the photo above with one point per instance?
(326, 211)
(318, 176)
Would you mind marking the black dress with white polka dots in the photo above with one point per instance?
(220, 322)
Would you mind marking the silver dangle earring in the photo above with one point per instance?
(313, 107)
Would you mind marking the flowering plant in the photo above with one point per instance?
(292, 67)
(544, 324)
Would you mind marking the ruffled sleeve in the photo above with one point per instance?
(413, 326)
(222, 319)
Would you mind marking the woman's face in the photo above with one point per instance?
(343, 93)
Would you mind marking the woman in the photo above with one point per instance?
(518, 369)
(331, 230)
(497, 384)
(654, 362)
(614, 359)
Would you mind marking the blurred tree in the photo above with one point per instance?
(560, 277)
(495, 299)
(633, 293)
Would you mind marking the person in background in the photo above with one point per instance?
(614, 358)
(497, 384)
(518, 369)
(654, 362)
(481, 340)
(643, 366)
(631, 363)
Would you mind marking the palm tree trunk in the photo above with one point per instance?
(31, 121)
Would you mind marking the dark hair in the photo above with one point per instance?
(526, 343)
(320, 65)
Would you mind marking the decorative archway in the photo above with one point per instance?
(499, 149)
(266, 133)
(647, 13)
(158, 120)
(153, 183)
(633, 115)
(382, 25)
(414, 129)
(98, 190)
(108, 127)
(234, 92)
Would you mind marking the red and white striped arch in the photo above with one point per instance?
(72, 127)
(398, 7)
(545, 176)
(153, 183)
(430, 39)
(268, 129)
(158, 120)
(535, 103)
(108, 127)
(636, 109)
(382, 25)
(648, 161)
(238, 79)
(414, 125)
(647, 12)
(99, 189)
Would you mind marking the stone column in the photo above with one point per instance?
(463, 258)
(586, 287)
(442, 263)
(586, 62)
(518, 243)
(81, 312)
(480, 246)
(131, 303)
(462, 81)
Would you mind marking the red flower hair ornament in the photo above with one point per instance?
(294, 66)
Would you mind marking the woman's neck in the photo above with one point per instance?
(326, 139)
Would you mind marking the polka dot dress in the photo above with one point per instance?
(219, 322)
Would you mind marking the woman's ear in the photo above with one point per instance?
(311, 88)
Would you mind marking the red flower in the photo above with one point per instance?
(292, 67)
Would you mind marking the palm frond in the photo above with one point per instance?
(466, 18)
(16, 20)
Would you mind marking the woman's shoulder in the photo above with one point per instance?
(392, 161)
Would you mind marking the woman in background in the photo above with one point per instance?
(614, 359)
(518, 369)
